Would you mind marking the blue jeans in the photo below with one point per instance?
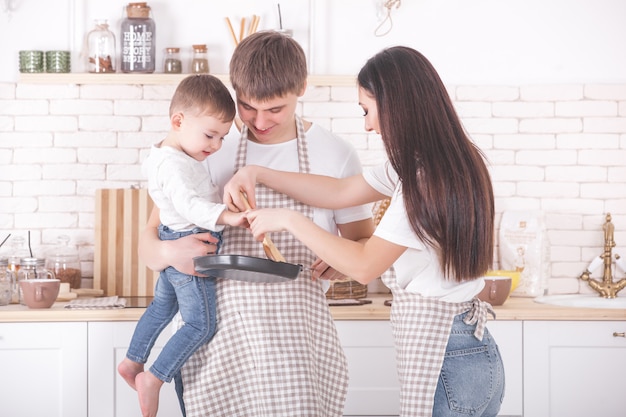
(471, 382)
(194, 297)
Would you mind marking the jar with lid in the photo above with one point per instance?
(199, 60)
(138, 39)
(32, 268)
(172, 63)
(101, 53)
(17, 252)
(64, 262)
(6, 283)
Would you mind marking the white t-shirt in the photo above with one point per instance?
(328, 155)
(418, 269)
(182, 190)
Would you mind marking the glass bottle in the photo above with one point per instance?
(138, 39)
(172, 63)
(200, 60)
(63, 261)
(32, 268)
(101, 53)
(6, 283)
(17, 253)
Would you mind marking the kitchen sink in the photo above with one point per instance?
(583, 301)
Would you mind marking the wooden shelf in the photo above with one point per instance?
(156, 78)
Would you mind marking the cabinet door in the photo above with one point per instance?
(508, 335)
(574, 369)
(374, 389)
(44, 369)
(109, 395)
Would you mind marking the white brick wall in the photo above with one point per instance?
(556, 148)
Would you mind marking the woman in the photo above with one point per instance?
(437, 233)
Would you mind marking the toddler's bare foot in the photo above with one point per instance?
(148, 387)
(129, 371)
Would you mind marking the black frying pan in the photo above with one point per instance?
(246, 268)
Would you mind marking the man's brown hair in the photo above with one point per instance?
(266, 65)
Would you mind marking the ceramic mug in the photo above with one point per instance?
(40, 293)
(496, 290)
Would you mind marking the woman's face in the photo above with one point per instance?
(270, 121)
(370, 110)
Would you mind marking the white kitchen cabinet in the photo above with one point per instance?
(44, 369)
(574, 368)
(109, 395)
(508, 335)
(374, 389)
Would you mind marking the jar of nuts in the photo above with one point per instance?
(63, 261)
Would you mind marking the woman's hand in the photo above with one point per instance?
(271, 220)
(243, 181)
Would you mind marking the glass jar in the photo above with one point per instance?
(172, 63)
(199, 60)
(138, 39)
(32, 268)
(63, 261)
(101, 53)
(17, 252)
(6, 283)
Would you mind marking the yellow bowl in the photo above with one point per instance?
(515, 276)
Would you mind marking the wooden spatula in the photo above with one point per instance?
(268, 246)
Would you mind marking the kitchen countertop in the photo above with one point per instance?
(515, 308)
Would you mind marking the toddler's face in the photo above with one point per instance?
(200, 136)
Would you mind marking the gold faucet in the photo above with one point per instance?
(606, 288)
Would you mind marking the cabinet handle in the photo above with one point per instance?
(620, 334)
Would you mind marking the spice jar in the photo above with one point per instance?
(138, 39)
(32, 268)
(172, 63)
(63, 261)
(101, 48)
(200, 60)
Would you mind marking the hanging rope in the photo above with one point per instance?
(388, 4)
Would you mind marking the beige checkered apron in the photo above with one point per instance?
(421, 327)
(276, 351)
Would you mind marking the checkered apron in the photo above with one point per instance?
(421, 327)
(276, 351)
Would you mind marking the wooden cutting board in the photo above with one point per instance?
(120, 216)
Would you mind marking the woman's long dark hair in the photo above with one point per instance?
(445, 182)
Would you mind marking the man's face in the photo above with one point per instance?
(270, 121)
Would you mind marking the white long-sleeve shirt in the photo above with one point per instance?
(182, 189)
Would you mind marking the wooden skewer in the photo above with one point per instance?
(271, 251)
(251, 27)
(256, 23)
(232, 31)
(242, 29)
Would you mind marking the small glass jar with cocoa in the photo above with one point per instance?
(64, 262)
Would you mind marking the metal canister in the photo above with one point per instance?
(138, 39)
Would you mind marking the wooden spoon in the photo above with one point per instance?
(268, 246)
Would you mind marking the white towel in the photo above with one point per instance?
(101, 303)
